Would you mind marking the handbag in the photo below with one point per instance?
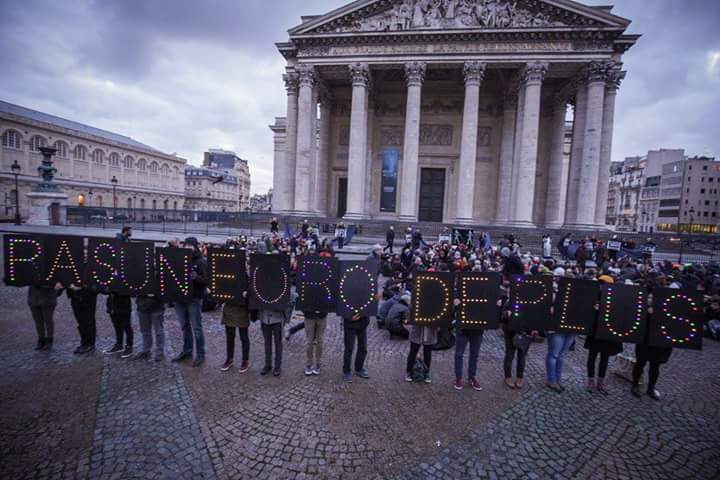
(419, 371)
(522, 341)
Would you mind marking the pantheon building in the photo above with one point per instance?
(451, 111)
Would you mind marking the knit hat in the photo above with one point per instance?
(192, 241)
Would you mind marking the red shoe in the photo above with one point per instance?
(244, 366)
(457, 384)
(475, 385)
(226, 366)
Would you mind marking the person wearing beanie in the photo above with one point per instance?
(189, 312)
(603, 348)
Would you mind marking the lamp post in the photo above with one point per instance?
(114, 182)
(15, 167)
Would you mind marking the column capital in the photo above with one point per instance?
(359, 74)
(474, 72)
(614, 79)
(415, 73)
(307, 75)
(534, 72)
(291, 82)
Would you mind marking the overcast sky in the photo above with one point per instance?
(187, 75)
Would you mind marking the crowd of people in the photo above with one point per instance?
(397, 271)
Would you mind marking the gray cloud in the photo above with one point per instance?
(186, 75)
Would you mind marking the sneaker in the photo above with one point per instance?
(127, 352)
(457, 384)
(510, 384)
(408, 378)
(427, 380)
(142, 356)
(266, 369)
(519, 383)
(363, 374)
(308, 370)
(181, 356)
(114, 349)
(86, 350)
(590, 386)
(244, 366)
(276, 372)
(316, 370)
(347, 377)
(475, 384)
(198, 361)
(602, 388)
(654, 394)
(78, 350)
(226, 366)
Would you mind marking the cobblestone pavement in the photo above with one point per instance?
(63, 416)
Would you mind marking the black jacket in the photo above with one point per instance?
(118, 304)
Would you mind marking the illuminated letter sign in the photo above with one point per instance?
(357, 289)
(530, 302)
(136, 272)
(575, 306)
(269, 282)
(173, 269)
(317, 279)
(432, 299)
(478, 294)
(23, 260)
(622, 314)
(64, 260)
(677, 319)
(227, 275)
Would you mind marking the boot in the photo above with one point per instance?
(590, 384)
(40, 343)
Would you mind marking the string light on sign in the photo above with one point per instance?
(565, 309)
(147, 272)
(417, 290)
(165, 265)
(113, 271)
(304, 282)
(270, 301)
(518, 303)
(216, 276)
(636, 322)
(371, 294)
(694, 329)
(64, 251)
(467, 299)
(14, 244)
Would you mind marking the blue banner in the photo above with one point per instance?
(390, 160)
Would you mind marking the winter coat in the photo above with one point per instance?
(397, 314)
(118, 304)
(45, 297)
(423, 335)
(236, 314)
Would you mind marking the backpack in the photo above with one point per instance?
(419, 371)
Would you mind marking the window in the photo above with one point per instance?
(153, 167)
(705, 167)
(129, 162)
(36, 142)
(142, 164)
(702, 190)
(154, 204)
(707, 203)
(114, 160)
(80, 152)
(11, 139)
(98, 156)
(62, 149)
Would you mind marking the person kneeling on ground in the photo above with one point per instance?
(397, 316)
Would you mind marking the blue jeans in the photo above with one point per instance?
(190, 320)
(558, 345)
(461, 342)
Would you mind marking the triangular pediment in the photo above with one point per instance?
(430, 15)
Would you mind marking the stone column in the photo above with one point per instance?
(590, 166)
(555, 198)
(284, 172)
(314, 147)
(305, 137)
(516, 151)
(414, 75)
(533, 76)
(323, 164)
(360, 76)
(578, 136)
(474, 73)
(505, 169)
(613, 83)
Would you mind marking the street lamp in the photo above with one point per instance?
(15, 167)
(114, 182)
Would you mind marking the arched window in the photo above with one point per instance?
(36, 142)
(175, 205)
(165, 169)
(114, 160)
(166, 204)
(80, 152)
(11, 139)
(142, 204)
(98, 156)
(62, 149)
(154, 204)
(129, 203)
(142, 164)
(129, 162)
(153, 167)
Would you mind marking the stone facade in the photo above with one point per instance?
(450, 110)
(228, 162)
(211, 190)
(87, 159)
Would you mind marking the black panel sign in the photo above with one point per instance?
(575, 306)
(478, 294)
(64, 260)
(432, 299)
(269, 282)
(227, 275)
(622, 315)
(677, 319)
(173, 271)
(357, 289)
(136, 270)
(24, 259)
(530, 302)
(317, 280)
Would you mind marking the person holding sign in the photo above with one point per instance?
(602, 348)
(42, 302)
(355, 331)
(236, 316)
(83, 301)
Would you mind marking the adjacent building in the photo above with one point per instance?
(95, 167)
(261, 202)
(211, 190)
(450, 111)
(664, 191)
(229, 163)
